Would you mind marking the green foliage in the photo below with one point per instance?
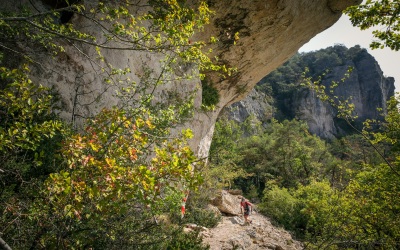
(384, 15)
(277, 204)
(357, 215)
(30, 136)
(391, 126)
(320, 208)
(124, 26)
(202, 217)
(286, 153)
(108, 162)
(375, 189)
(252, 193)
(209, 94)
(283, 152)
(182, 241)
(25, 108)
(337, 195)
(108, 184)
(222, 169)
(358, 208)
(197, 209)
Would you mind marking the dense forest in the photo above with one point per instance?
(340, 194)
(119, 180)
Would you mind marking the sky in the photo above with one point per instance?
(342, 32)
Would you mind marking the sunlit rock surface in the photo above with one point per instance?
(270, 32)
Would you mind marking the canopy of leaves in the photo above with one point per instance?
(284, 153)
(336, 195)
(382, 15)
(108, 184)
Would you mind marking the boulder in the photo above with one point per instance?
(235, 192)
(227, 203)
(213, 209)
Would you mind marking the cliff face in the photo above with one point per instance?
(367, 87)
(270, 32)
(256, 103)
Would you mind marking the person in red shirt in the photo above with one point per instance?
(246, 207)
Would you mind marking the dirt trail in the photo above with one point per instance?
(261, 234)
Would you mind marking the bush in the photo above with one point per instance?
(279, 205)
(183, 241)
(210, 95)
(201, 217)
(196, 210)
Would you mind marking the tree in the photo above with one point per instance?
(107, 183)
(285, 153)
(381, 14)
(363, 213)
(222, 169)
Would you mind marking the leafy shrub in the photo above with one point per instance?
(201, 217)
(183, 241)
(30, 136)
(210, 95)
(197, 212)
(279, 205)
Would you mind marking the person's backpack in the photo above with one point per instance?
(246, 207)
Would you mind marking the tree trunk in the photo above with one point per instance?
(4, 245)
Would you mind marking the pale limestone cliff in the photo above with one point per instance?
(256, 104)
(270, 32)
(366, 87)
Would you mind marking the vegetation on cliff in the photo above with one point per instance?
(120, 179)
(336, 195)
(342, 194)
(294, 100)
(113, 182)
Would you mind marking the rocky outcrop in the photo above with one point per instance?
(256, 103)
(233, 233)
(367, 86)
(226, 202)
(261, 234)
(270, 33)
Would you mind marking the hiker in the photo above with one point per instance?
(246, 207)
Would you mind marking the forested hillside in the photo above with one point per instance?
(367, 87)
(341, 193)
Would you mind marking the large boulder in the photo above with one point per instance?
(226, 202)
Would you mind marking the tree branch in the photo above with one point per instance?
(4, 245)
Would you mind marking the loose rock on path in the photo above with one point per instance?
(260, 234)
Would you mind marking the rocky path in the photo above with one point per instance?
(261, 234)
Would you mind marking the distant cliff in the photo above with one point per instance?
(367, 86)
